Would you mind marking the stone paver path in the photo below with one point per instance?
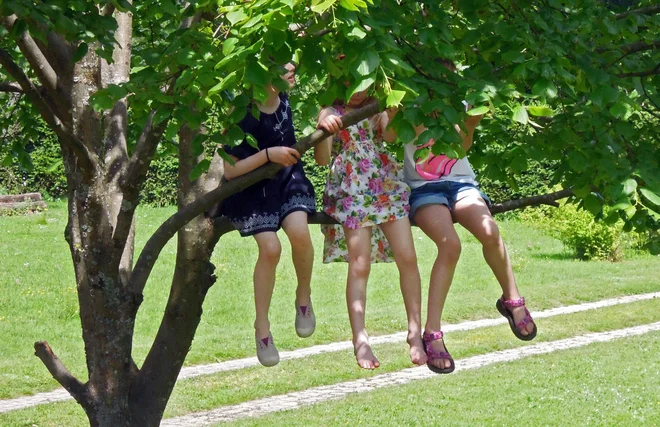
(230, 365)
(314, 395)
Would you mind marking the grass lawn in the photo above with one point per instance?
(597, 385)
(39, 303)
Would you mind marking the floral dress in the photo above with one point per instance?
(365, 187)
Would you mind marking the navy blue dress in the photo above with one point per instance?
(264, 205)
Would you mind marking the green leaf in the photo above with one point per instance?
(592, 204)
(359, 86)
(354, 5)
(199, 169)
(320, 6)
(540, 111)
(25, 161)
(394, 98)
(8, 160)
(397, 62)
(161, 114)
(122, 5)
(357, 33)
(236, 16)
(80, 52)
(229, 45)
(478, 111)
(620, 110)
(405, 132)
(230, 80)
(257, 74)
(544, 87)
(629, 186)
(650, 196)
(520, 115)
(367, 63)
(102, 102)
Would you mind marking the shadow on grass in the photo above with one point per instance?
(561, 256)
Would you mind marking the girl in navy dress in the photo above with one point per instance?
(283, 201)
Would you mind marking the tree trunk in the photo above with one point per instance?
(193, 276)
(100, 234)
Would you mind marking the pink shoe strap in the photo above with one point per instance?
(512, 303)
(432, 336)
(525, 320)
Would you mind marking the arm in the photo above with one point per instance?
(330, 122)
(470, 125)
(286, 156)
(386, 117)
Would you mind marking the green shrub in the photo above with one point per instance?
(160, 186)
(535, 180)
(317, 175)
(46, 175)
(588, 238)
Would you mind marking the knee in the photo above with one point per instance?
(490, 235)
(449, 250)
(406, 260)
(360, 267)
(300, 238)
(271, 251)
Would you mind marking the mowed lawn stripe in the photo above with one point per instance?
(60, 394)
(315, 395)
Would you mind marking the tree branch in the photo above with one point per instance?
(646, 73)
(108, 9)
(649, 10)
(223, 226)
(169, 228)
(63, 133)
(61, 101)
(10, 87)
(151, 136)
(544, 199)
(629, 48)
(61, 374)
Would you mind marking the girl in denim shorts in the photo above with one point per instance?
(445, 191)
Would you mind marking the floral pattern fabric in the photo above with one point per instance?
(365, 188)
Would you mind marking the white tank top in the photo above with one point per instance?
(423, 167)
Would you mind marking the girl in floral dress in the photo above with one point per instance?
(365, 192)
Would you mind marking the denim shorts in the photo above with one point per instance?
(443, 193)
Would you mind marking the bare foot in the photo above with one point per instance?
(364, 356)
(417, 353)
(518, 315)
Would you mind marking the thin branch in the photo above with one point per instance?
(108, 9)
(61, 130)
(169, 228)
(61, 374)
(544, 199)
(647, 94)
(10, 87)
(629, 48)
(649, 10)
(646, 73)
(61, 102)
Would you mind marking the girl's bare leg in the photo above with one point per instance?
(436, 222)
(264, 279)
(399, 236)
(473, 214)
(359, 267)
(296, 228)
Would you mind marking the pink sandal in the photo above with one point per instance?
(434, 355)
(504, 306)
